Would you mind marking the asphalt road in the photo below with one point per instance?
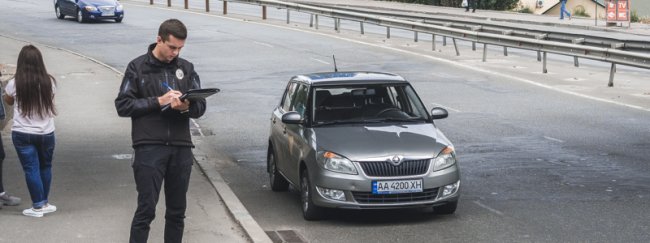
(537, 164)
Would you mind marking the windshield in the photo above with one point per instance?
(366, 104)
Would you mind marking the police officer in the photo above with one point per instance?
(161, 138)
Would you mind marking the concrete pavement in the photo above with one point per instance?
(93, 184)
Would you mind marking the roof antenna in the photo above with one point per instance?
(335, 68)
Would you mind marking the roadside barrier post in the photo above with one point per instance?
(186, 4)
(264, 14)
(612, 70)
(575, 59)
(387, 32)
(455, 46)
(544, 70)
(207, 5)
(484, 52)
(433, 42)
(288, 16)
(169, 3)
(225, 7)
(540, 37)
(361, 26)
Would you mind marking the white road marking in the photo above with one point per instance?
(488, 208)
(321, 61)
(554, 139)
(446, 107)
(263, 44)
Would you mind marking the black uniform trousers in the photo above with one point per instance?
(152, 165)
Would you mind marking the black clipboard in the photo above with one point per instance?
(193, 94)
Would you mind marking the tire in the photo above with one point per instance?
(118, 20)
(58, 13)
(309, 210)
(446, 209)
(277, 181)
(80, 16)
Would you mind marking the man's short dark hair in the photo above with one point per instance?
(172, 27)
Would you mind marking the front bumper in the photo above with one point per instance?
(100, 15)
(358, 190)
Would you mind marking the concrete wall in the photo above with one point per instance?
(588, 5)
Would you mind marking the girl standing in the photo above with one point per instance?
(32, 132)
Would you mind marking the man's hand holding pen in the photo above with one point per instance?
(172, 97)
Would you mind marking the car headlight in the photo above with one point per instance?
(119, 8)
(445, 159)
(90, 8)
(334, 162)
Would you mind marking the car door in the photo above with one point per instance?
(278, 132)
(68, 7)
(296, 133)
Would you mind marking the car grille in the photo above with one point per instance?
(406, 168)
(368, 197)
(107, 8)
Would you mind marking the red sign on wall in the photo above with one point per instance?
(618, 11)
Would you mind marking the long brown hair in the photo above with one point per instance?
(34, 93)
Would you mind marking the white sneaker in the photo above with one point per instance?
(32, 212)
(48, 208)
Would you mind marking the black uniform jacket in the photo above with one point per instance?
(145, 79)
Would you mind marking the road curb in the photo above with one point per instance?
(236, 208)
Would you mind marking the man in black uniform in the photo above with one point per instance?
(161, 138)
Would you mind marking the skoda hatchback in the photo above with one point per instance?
(360, 140)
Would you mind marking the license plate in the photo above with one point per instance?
(111, 13)
(397, 186)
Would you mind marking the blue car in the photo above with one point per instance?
(85, 10)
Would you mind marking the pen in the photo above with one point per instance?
(167, 86)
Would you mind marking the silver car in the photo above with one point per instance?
(360, 140)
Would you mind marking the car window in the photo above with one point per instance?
(367, 103)
(288, 96)
(299, 101)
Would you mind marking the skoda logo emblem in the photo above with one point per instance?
(396, 160)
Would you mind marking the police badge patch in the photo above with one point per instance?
(179, 74)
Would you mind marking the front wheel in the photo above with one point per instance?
(57, 10)
(80, 16)
(118, 20)
(277, 181)
(309, 210)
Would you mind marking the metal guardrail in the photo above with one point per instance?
(482, 24)
(612, 54)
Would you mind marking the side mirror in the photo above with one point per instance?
(292, 117)
(439, 113)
